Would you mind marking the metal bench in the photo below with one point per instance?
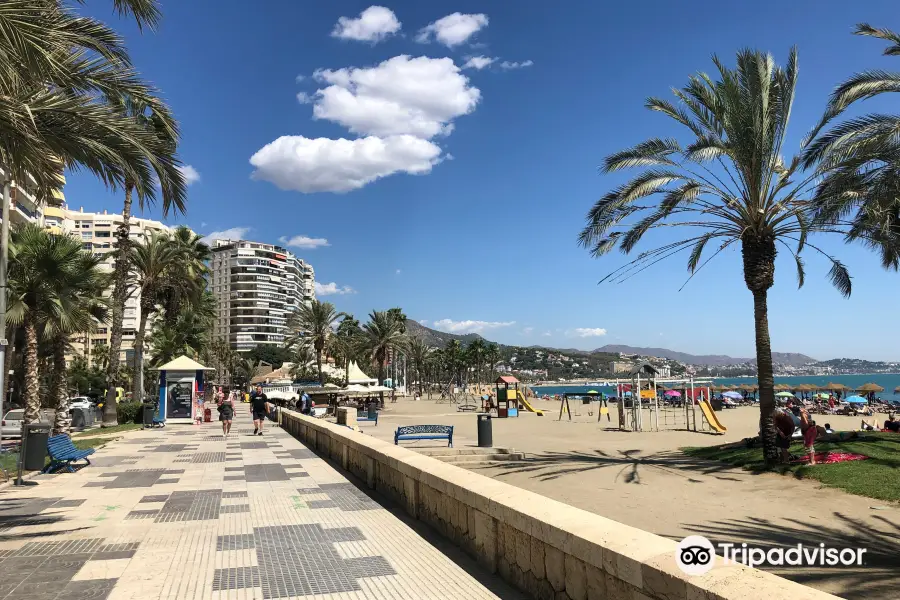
(363, 417)
(424, 432)
(63, 453)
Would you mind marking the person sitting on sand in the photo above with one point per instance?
(892, 424)
(866, 426)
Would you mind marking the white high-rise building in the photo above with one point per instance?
(97, 232)
(257, 286)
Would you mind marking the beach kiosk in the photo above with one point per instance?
(181, 382)
(507, 397)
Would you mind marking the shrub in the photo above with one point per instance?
(130, 412)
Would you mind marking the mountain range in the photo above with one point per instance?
(708, 360)
(438, 339)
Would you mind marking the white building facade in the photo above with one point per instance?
(257, 287)
(97, 232)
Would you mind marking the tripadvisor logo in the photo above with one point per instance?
(696, 555)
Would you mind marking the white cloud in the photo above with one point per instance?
(516, 65)
(423, 322)
(452, 326)
(402, 95)
(300, 78)
(329, 289)
(293, 162)
(303, 241)
(478, 62)
(454, 29)
(373, 25)
(528, 330)
(202, 224)
(235, 233)
(398, 272)
(304, 98)
(190, 174)
(547, 334)
(586, 332)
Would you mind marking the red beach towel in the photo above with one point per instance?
(827, 458)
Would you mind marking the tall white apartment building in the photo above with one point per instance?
(257, 287)
(97, 232)
(25, 204)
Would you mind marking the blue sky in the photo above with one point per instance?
(458, 191)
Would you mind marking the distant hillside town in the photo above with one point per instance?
(536, 363)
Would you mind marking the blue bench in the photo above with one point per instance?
(363, 417)
(63, 453)
(424, 432)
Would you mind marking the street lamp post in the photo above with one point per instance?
(4, 255)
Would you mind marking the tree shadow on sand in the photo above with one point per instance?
(876, 578)
(548, 466)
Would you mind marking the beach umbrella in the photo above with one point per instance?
(835, 387)
(897, 390)
(870, 387)
(733, 395)
(784, 395)
(856, 400)
(673, 394)
(805, 387)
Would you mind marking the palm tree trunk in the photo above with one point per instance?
(62, 423)
(766, 376)
(117, 311)
(30, 393)
(759, 274)
(319, 366)
(138, 387)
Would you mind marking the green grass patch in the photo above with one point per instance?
(876, 477)
(105, 430)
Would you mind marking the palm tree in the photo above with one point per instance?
(346, 343)
(150, 264)
(859, 160)
(492, 357)
(156, 119)
(475, 354)
(382, 336)
(729, 185)
(187, 277)
(312, 325)
(55, 290)
(420, 355)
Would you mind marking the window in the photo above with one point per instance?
(102, 234)
(86, 235)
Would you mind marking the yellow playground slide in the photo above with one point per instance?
(524, 402)
(711, 417)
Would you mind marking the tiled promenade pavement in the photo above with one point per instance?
(180, 513)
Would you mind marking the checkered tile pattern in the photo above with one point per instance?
(241, 518)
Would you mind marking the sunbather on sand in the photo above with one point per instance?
(866, 426)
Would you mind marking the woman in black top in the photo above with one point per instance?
(259, 404)
(226, 410)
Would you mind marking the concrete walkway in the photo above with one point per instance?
(181, 513)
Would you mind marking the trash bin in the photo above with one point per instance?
(485, 431)
(34, 446)
(149, 413)
(78, 419)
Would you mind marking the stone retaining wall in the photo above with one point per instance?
(547, 549)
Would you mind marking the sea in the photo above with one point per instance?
(888, 381)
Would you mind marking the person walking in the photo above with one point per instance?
(259, 404)
(226, 412)
(304, 403)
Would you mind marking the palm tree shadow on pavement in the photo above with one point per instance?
(876, 578)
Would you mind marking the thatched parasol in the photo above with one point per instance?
(870, 387)
(806, 387)
(782, 387)
(835, 387)
(897, 390)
